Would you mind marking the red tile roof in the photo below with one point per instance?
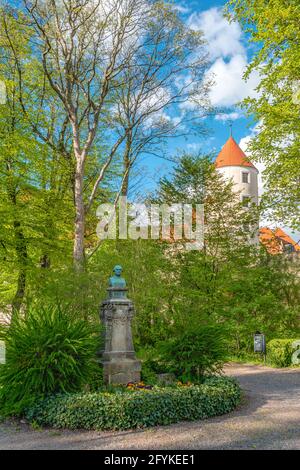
(232, 155)
(275, 239)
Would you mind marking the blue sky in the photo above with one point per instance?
(230, 52)
(229, 55)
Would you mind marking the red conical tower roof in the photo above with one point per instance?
(232, 155)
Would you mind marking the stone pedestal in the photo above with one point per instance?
(120, 365)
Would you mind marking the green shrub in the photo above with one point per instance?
(151, 366)
(280, 351)
(47, 351)
(193, 353)
(95, 381)
(136, 409)
(148, 374)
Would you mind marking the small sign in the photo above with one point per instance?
(2, 352)
(259, 343)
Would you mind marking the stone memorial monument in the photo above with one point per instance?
(120, 365)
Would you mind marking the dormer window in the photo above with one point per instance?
(245, 177)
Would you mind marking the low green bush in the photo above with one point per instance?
(95, 381)
(136, 409)
(47, 351)
(148, 373)
(280, 351)
(195, 352)
(151, 367)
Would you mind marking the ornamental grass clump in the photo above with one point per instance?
(47, 351)
(195, 352)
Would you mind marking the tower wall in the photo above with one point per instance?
(250, 189)
(235, 173)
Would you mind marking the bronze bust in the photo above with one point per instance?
(117, 284)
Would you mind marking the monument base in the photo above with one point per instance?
(120, 365)
(121, 372)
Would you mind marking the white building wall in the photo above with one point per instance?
(235, 173)
(250, 189)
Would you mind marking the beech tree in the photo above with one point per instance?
(164, 75)
(274, 28)
(228, 225)
(101, 56)
(35, 167)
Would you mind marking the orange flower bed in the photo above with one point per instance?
(138, 386)
(187, 384)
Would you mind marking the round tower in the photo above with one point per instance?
(234, 165)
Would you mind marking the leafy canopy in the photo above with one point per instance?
(273, 26)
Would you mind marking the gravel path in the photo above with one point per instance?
(268, 418)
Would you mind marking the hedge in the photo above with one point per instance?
(280, 352)
(122, 410)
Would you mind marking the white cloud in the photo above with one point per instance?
(177, 120)
(224, 38)
(266, 220)
(181, 9)
(194, 146)
(151, 106)
(228, 116)
(226, 49)
(229, 87)
(244, 144)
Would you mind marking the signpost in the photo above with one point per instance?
(260, 344)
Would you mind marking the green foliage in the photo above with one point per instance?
(273, 26)
(95, 381)
(36, 208)
(247, 291)
(47, 351)
(190, 180)
(194, 352)
(151, 365)
(148, 374)
(279, 352)
(148, 273)
(228, 283)
(77, 292)
(196, 181)
(137, 409)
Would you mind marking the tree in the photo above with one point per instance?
(230, 283)
(89, 52)
(35, 177)
(167, 75)
(274, 27)
(195, 180)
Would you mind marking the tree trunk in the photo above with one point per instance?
(20, 247)
(127, 165)
(79, 225)
(21, 250)
(125, 184)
